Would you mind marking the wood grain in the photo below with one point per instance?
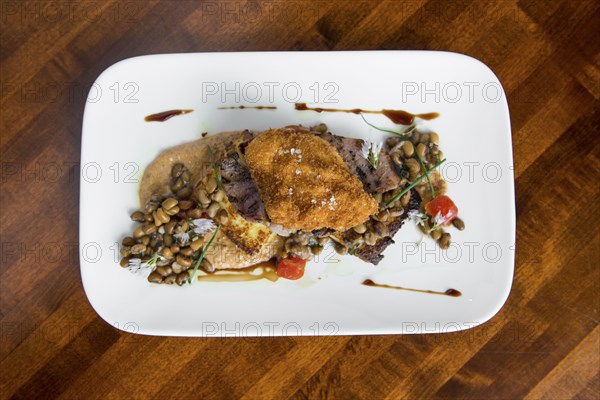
(543, 344)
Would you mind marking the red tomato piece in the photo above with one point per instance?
(291, 268)
(443, 209)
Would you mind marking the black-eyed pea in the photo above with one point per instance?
(458, 224)
(186, 251)
(360, 228)
(171, 211)
(138, 248)
(149, 229)
(340, 248)
(396, 212)
(415, 137)
(163, 262)
(194, 213)
(413, 166)
(391, 142)
(155, 277)
(381, 229)
(382, 216)
(408, 149)
(128, 241)
(405, 199)
(213, 209)
(182, 278)
(167, 253)
(170, 227)
(316, 250)
(183, 261)
(211, 184)
(138, 216)
(218, 196)
(370, 238)
(203, 197)
(183, 226)
(177, 268)
(445, 240)
(169, 203)
(184, 193)
(124, 263)
(185, 205)
(196, 244)
(138, 233)
(157, 221)
(164, 271)
(421, 147)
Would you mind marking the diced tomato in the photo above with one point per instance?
(291, 268)
(443, 209)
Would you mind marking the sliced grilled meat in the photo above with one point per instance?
(374, 254)
(239, 186)
(378, 180)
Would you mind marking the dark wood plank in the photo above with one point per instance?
(543, 344)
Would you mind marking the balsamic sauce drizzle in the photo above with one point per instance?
(165, 115)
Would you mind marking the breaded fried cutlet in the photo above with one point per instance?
(304, 182)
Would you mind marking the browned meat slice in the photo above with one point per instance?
(241, 189)
(378, 180)
(374, 254)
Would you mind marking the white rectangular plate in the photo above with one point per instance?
(474, 130)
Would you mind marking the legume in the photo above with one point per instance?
(458, 224)
(444, 241)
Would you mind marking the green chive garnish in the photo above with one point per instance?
(426, 175)
(412, 185)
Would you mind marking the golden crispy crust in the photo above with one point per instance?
(305, 184)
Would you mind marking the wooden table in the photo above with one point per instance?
(544, 343)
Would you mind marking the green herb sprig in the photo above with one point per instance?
(214, 165)
(406, 133)
(412, 185)
(203, 254)
(426, 175)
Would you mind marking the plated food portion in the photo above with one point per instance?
(271, 200)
